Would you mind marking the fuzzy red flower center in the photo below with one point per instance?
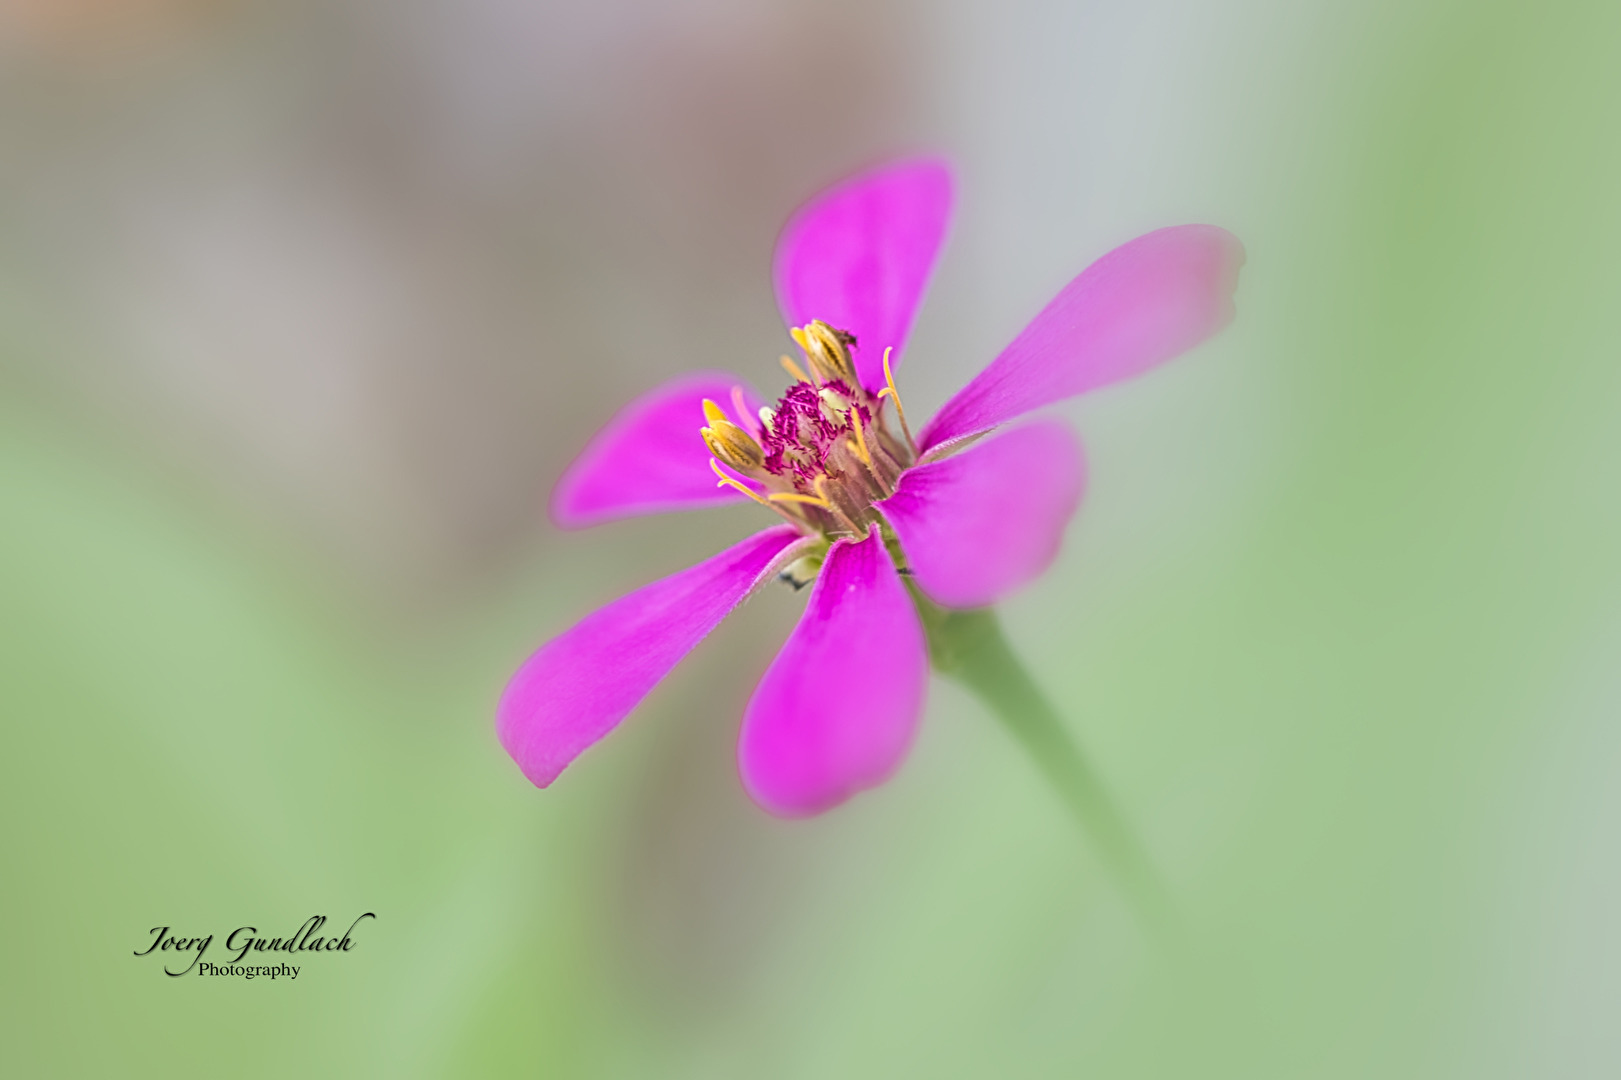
(824, 454)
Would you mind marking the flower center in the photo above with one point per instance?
(824, 454)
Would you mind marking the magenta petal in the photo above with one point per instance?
(859, 257)
(1141, 304)
(650, 457)
(837, 709)
(982, 523)
(579, 685)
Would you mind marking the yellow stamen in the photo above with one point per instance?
(861, 439)
(895, 395)
(793, 370)
(825, 351)
(794, 496)
(809, 346)
(727, 481)
(733, 445)
(727, 441)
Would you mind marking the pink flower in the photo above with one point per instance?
(862, 501)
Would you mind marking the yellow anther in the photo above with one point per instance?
(794, 496)
(895, 396)
(803, 340)
(793, 370)
(733, 445)
(727, 481)
(825, 350)
(729, 442)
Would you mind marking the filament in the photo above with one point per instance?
(895, 395)
(861, 440)
(794, 371)
(794, 496)
(727, 481)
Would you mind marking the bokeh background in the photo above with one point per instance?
(304, 306)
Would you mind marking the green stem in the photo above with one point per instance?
(969, 646)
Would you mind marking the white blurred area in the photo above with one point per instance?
(372, 270)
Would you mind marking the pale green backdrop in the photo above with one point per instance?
(1339, 619)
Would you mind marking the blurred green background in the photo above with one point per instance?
(303, 307)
